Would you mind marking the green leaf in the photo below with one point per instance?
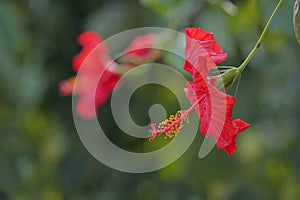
(161, 7)
(296, 20)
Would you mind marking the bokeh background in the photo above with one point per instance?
(41, 155)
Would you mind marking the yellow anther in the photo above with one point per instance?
(172, 125)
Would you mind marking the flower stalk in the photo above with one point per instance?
(260, 40)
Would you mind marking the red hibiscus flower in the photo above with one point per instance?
(91, 63)
(213, 107)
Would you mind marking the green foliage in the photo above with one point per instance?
(41, 155)
(161, 7)
(296, 20)
(175, 12)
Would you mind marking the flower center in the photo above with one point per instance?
(170, 127)
(173, 124)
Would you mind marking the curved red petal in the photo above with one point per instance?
(215, 112)
(197, 37)
(214, 107)
(140, 48)
(89, 40)
(85, 108)
(241, 125)
(95, 79)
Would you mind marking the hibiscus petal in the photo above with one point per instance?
(215, 109)
(140, 48)
(241, 125)
(215, 114)
(89, 40)
(95, 78)
(205, 41)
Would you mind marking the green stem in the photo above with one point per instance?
(261, 38)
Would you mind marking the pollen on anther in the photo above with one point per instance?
(172, 126)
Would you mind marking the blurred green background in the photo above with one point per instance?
(41, 155)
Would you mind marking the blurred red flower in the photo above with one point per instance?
(141, 50)
(95, 68)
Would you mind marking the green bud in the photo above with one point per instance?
(227, 78)
(296, 20)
